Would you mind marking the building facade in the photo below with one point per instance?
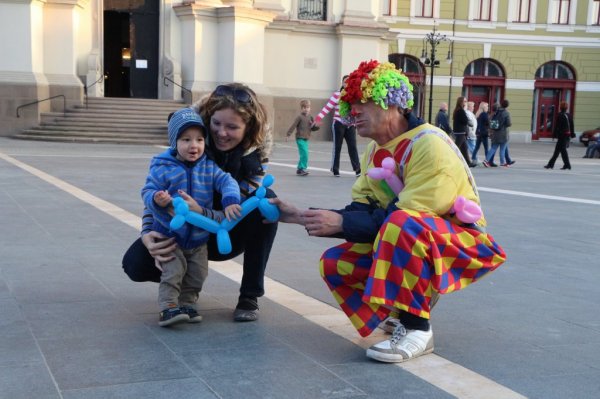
(533, 52)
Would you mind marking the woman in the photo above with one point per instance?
(563, 132)
(460, 126)
(483, 124)
(499, 125)
(239, 142)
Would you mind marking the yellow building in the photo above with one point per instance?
(535, 53)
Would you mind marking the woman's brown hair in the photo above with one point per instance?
(252, 112)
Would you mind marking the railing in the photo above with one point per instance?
(85, 89)
(314, 10)
(45, 99)
(166, 79)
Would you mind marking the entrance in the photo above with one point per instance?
(548, 105)
(555, 82)
(131, 48)
(484, 81)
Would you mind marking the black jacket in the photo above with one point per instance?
(564, 127)
(460, 122)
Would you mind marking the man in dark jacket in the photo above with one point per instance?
(441, 119)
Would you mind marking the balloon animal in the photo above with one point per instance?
(183, 215)
(466, 210)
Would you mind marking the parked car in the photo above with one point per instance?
(589, 135)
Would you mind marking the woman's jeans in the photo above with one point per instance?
(480, 140)
(490, 155)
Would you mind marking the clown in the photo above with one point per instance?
(402, 249)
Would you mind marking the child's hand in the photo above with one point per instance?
(233, 211)
(162, 198)
(192, 204)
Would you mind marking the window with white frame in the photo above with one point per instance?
(595, 12)
(523, 11)
(483, 10)
(424, 8)
(388, 7)
(561, 10)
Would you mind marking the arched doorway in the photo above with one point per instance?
(415, 72)
(484, 80)
(555, 81)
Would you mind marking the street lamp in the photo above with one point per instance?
(433, 38)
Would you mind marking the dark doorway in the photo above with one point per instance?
(131, 48)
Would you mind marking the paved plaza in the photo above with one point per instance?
(74, 326)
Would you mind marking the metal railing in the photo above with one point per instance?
(45, 99)
(166, 79)
(85, 89)
(313, 10)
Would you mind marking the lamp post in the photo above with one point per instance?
(433, 39)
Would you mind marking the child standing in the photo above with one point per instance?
(185, 169)
(304, 124)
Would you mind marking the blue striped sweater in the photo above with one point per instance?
(199, 180)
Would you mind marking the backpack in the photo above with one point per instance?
(495, 122)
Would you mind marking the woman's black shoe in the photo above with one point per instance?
(548, 167)
(565, 167)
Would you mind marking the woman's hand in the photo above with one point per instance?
(322, 223)
(191, 202)
(160, 247)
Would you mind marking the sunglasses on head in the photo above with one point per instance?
(240, 95)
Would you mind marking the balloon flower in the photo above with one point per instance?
(259, 200)
(466, 210)
(387, 172)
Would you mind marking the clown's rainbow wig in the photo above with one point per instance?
(382, 83)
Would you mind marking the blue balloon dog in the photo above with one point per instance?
(259, 200)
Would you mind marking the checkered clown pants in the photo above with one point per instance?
(414, 255)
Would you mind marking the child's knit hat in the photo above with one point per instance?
(181, 120)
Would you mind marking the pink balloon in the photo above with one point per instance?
(466, 211)
(387, 173)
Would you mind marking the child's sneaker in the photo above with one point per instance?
(192, 313)
(303, 172)
(171, 316)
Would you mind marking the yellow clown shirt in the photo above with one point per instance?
(430, 166)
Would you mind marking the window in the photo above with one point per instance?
(388, 7)
(483, 12)
(424, 8)
(555, 70)
(314, 10)
(596, 12)
(484, 67)
(523, 11)
(560, 11)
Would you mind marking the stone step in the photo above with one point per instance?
(90, 139)
(116, 127)
(107, 120)
(103, 121)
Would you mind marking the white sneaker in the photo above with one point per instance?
(404, 345)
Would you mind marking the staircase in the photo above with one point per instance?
(107, 120)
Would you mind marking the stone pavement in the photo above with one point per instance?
(73, 326)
